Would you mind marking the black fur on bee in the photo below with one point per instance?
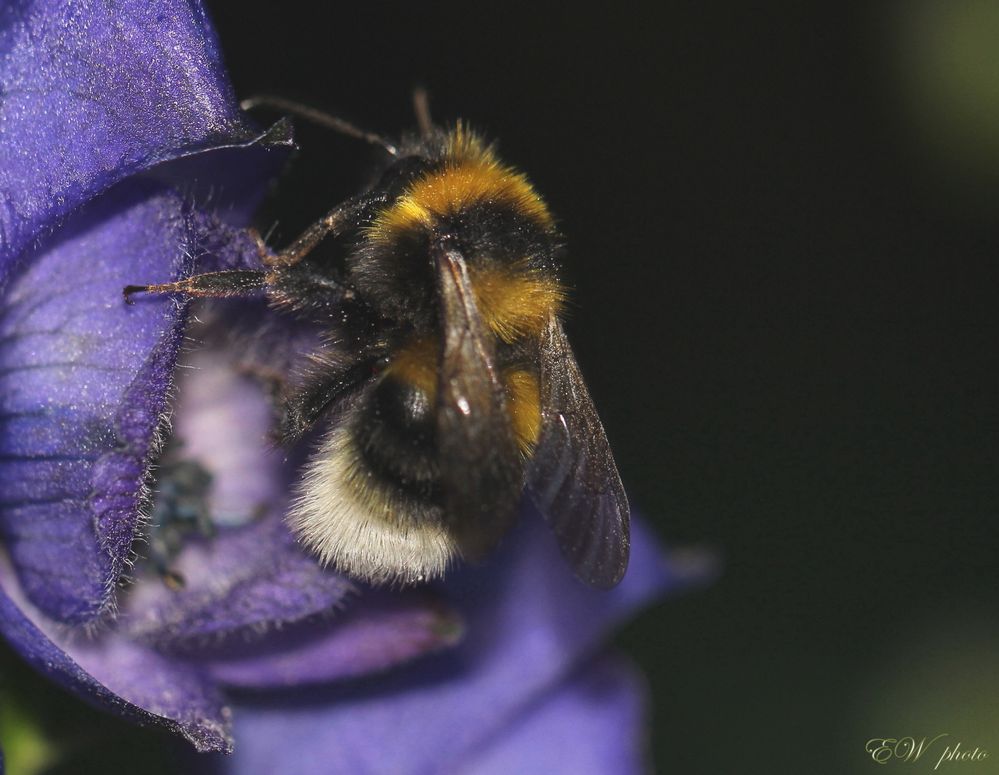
(448, 386)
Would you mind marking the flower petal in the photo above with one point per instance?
(83, 382)
(252, 576)
(378, 631)
(243, 583)
(96, 90)
(591, 724)
(115, 675)
(529, 621)
(224, 422)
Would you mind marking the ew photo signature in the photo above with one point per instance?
(937, 750)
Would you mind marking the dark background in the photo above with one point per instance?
(783, 241)
(783, 245)
(783, 226)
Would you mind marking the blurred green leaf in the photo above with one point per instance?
(46, 731)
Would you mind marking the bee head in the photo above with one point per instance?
(453, 190)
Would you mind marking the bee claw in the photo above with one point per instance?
(129, 290)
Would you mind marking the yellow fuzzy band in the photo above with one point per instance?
(471, 175)
(524, 405)
(515, 301)
(416, 365)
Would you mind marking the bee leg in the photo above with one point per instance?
(215, 285)
(265, 254)
(310, 401)
(332, 223)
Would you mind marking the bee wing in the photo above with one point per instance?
(481, 472)
(572, 475)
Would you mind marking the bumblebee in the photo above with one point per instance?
(449, 387)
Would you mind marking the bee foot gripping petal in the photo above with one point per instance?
(352, 523)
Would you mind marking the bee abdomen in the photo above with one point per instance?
(353, 511)
(396, 436)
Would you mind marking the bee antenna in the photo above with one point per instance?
(421, 107)
(317, 117)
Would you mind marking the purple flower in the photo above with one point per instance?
(116, 118)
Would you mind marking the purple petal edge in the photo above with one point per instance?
(593, 723)
(242, 584)
(171, 697)
(529, 623)
(377, 632)
(84, 382)
(95, 91)
(83, 387)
